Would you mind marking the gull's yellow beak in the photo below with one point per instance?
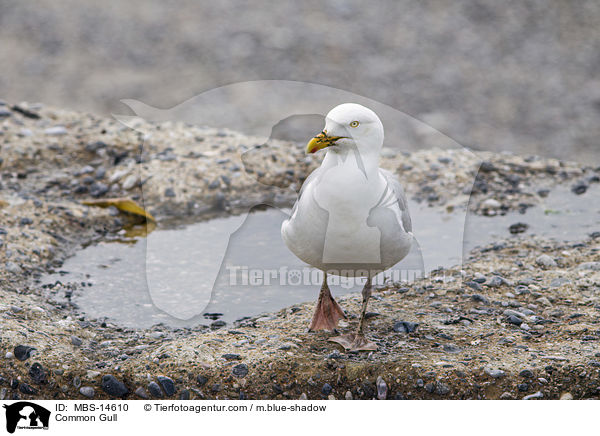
(321, 141)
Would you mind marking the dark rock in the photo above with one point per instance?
(184, 395)
(579, 188)
(240, 370)
(480, 298)
(216, 388)
(26, 389)
(98, 189)
(169, 192)
(277, 389)
(326, 389)
(113, 387)
(405, 327)
(155, 390)
(25, 221)
(474, 285)
(514, 320)
(523, 387)
(167, 384)
(23, 352)
(214, 184)
(218, 324)
(37, 373)
(526, 373)
(518, 228)
(201, 380)
(141, 392)
(231, 356)
(76, 341)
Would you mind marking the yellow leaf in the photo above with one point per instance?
(123, 204)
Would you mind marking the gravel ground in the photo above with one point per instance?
(519, 77)
(519, 320)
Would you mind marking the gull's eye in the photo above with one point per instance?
(354, 124)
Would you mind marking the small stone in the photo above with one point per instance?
(518, 228)
(381, 388)
(155, 390)
(167, 384)
(37, 373)
(579, 188)
(24, 352)
(514, 320)
(546, 261)
(303, 396)
(185, 395)
(474, 285)
(98, 189)
(348, 395)
(496, 281)
(491, 203)
(480, 298)
(566, 396)
(130, 181)
(141, 392)
(451, 348)
(479, 278)
(87, 391)
(231, 356)
(326, 389)
(56, 131)
(240, 370)
(494, 373)
(27, 390)
(9, 355)
(537, 395)
(113, 387)
(169, 192)
(76, 341)
(506, 396)
(405, 327)
(201, 380)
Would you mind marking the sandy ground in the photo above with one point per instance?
(519, 318)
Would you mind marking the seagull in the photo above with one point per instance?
(351, 217)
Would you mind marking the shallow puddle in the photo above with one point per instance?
(198, 274)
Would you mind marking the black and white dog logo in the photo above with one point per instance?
(26, 415)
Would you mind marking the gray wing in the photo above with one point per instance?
(394, 184)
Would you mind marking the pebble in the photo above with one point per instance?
(169, 192)
(87, 391)
(546, 261)
(381, 388)
(167, 384)
(13, 268)
(514, 320)
(141, 392)
(348, 395)
(579, 188)
(131, 181)
(27, 390)
(538, 394)
(24, 352)
(518, 228)
(37, 373)
(155, 390)
(494, 373)
(303, 396)
(480, 298)
(76, 341)
(240, 370)
(113, 387)
(56, 131)
(566, 396)
(479, 278)
(185, 395)
(592, 266)
(405, 327)
(496, 281)
(9, 355)
(326, 389)
(231, 356)
(201, 380)
(98, 189)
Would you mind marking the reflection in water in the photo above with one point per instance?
(258, 273)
